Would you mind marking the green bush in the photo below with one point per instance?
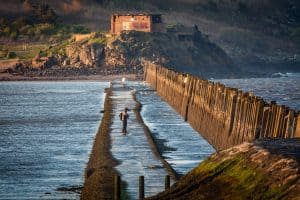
(11, 54)
(80, 29)
(3, 22)
(20, 22)
(24, 29)
(7, 31)
(13, 35)
(30, 32)
(98, 40)
(46, 29)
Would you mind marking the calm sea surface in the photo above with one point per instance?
(46, 135)
(47, 131)
(283, 90)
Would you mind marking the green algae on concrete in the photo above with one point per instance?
(247, 171)
(240, 180)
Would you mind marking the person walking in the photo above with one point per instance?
(124, 116)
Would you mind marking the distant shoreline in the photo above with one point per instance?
(8, 77)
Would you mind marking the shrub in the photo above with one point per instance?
(45, 28)
(6, 31)
(98, 40)
(24, 29)
(13, 35)
(3, 23)
(80, 29)
(20, 22)
(30, 32)
(11, 54)
(37, 32)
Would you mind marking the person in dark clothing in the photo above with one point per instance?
(124, 116)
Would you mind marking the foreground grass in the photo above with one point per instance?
(23, 51)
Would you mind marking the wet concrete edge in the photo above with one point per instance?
(100, 171)
(152, 141)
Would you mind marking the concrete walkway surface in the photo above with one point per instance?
(132, 150)
(181, 146)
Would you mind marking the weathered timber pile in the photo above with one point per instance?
(224, 116)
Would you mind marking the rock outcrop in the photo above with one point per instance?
(186, 52)
(267, 169)
(84, 54)
(192, 53)
(43, 62)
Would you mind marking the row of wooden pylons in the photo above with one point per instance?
(224, 116)
(118, 189)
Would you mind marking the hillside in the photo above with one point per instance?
(260, 36)
(96, 53)
(199, 56)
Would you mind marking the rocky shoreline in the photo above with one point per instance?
(9, 77)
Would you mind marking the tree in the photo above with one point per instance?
(13, 35)
(7, 30)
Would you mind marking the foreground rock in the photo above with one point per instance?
(266, 169)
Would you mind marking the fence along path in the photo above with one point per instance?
(224, 116)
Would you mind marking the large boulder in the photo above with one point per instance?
(86, 54)
(43, 62)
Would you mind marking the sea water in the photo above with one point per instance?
(284, 90)
(47, 131)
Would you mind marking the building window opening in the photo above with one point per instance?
(156, 19)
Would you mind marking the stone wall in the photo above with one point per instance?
(224, 116)
(130, 22)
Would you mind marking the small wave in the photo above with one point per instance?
(288, 74)
(5, 150)
(293, 74)
(278, 75)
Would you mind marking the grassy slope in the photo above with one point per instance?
(24, 51)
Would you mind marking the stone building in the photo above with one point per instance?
(138, 22)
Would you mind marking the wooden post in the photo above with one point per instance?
(141, 188)
(297, 126)
(167, 182)
(117, 188)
